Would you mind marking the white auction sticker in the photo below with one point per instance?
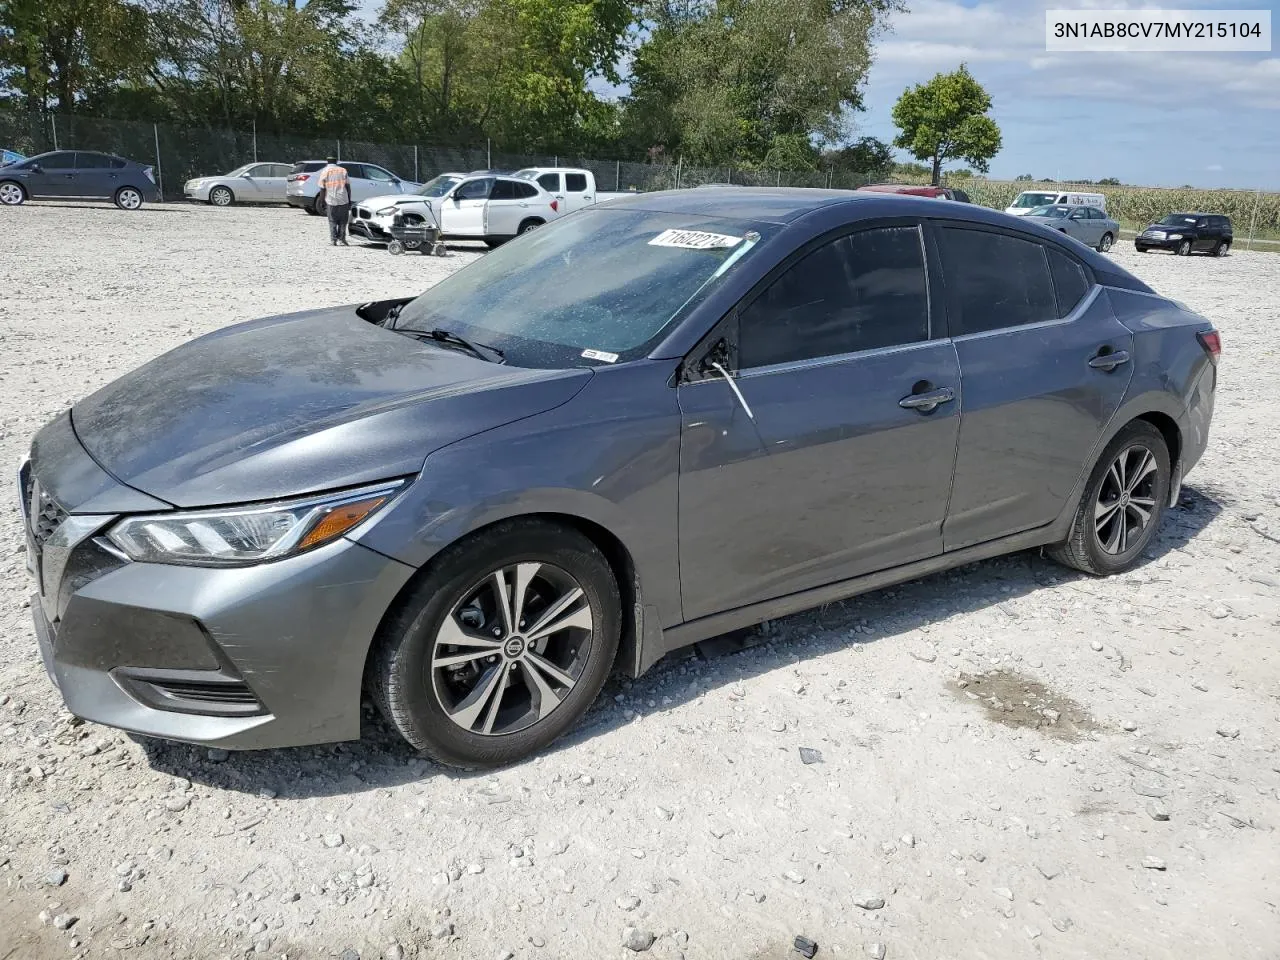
(600, 355)
(694, 240)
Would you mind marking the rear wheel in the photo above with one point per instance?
(1221, 249)
(501, 647)
(128, 198)
(221, 197)
(530, 224)
(1105, 243)
(1184, 249)
(1123, 504)
(11, 194)
(494, 242)
(318, 207)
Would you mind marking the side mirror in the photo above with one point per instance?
(245, 176)
(36, 168)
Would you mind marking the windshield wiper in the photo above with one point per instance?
(481, 350)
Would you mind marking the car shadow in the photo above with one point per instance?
(150, 206)
(380, 759)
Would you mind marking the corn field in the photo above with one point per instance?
(1143, 205)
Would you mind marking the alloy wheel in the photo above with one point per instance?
(1184, 248)
(129, 199)
(1126, 500)
(220, 197)
(10, 194)
(1106, 243)
(511, 649)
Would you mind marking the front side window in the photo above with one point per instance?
(474, 189)
(863, 291)
(605, 281)
(377, 173)
(995, 280)
(64, 160)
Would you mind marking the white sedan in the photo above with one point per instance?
(252, 183)
(488, 207)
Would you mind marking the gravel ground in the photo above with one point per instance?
(1009, 760)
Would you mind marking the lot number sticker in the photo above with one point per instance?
(694, 240)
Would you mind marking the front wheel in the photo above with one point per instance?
(1105, 243)
(128, 198)
(1184, 249)
(221, 197)
(501, 647)
(1123, 504)
(11, 195)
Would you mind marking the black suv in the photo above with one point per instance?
(1184, 233)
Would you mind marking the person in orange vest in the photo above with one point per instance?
(336, 185)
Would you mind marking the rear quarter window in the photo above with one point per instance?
(1070, 281)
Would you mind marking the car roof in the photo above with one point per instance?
(786, 204)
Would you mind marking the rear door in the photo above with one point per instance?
(358, 182)
(508, 204)
(578, 191)
(1045, 365)
(381, 182)
(462, 213)
(843, 464)
(96, 176)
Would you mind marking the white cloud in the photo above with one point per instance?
(1214, 167)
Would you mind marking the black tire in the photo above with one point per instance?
(404, 685)
(1084, 548)
(128, 198)
(395, 248)
(1221, 249)
(1184, 249)
(1140, 249)
(494, 242)
(1104, 244)
(221, 196)
(12, 194)
(533, 223)
(318, 207)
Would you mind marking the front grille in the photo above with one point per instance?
(210, 693)
(44, 515)
(362, 213)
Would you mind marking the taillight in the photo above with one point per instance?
(1211, 342)
(555, 205)
(300, 177)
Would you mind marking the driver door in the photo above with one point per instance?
(463, 213)
(55, 178)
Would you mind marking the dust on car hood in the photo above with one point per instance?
(290, 405)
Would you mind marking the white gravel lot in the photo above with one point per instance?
(681, 810)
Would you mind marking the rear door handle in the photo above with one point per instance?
(1109, 361)
(927, 402)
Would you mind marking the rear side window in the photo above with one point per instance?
(860, 292)
(524, 191)
(92, 161)
(503, 190)
(575, 183)
(995, 281)
(355, 171)
(308, 166)
(1069, 280)
(550, 182)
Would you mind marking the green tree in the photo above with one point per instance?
(1109, 182)
(1024, 178)
(750, 81)
(946, 119)
(866, 158)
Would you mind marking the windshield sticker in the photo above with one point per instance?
(600, 355)
(694, 240)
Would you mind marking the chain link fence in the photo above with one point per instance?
(179, 153)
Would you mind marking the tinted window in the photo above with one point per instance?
(995, 281)
(308, 166)
(1069, 280)
(860, 292)
(93, 161)
(66, 160)
(474, 189)
(550, 182)
(355, 171)
(503, 190)
(575, 182)
(525, 190)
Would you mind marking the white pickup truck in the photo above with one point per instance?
(573, 187)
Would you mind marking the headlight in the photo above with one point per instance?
(1174, 236)
(194, 184)
(240, 536)
(385, 211)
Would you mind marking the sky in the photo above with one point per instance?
(1161, 119)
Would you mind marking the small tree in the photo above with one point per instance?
(946, 119)
(1024, 178)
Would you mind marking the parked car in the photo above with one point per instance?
(918, 190)
(645, 424)
(252, 183)
(1187, 233)
(367, 180)
(1029, 200)
(78, 175)
(1089, 225)
(488, 208)
(573, 188)
(10, 156)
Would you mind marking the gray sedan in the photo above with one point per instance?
(252, 183)
(651, 422)
(1089, 225)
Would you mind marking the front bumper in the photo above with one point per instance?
(368, 229)
(1156, 243)
(200, 194)
(269, 655)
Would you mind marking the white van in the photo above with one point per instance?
(1028, 200)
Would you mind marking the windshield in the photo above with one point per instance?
(438, 186)
(1178, 220)
(1056, 212)
(307, 166)
(598, 286)
(1026, 200)
(241, 170)
(528, 174)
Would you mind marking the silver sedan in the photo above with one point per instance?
(252, 183)
(1089, 225)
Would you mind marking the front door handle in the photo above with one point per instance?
(1109, 361)
(927, 402)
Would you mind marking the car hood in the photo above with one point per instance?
(296, 404)
(388, 199)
